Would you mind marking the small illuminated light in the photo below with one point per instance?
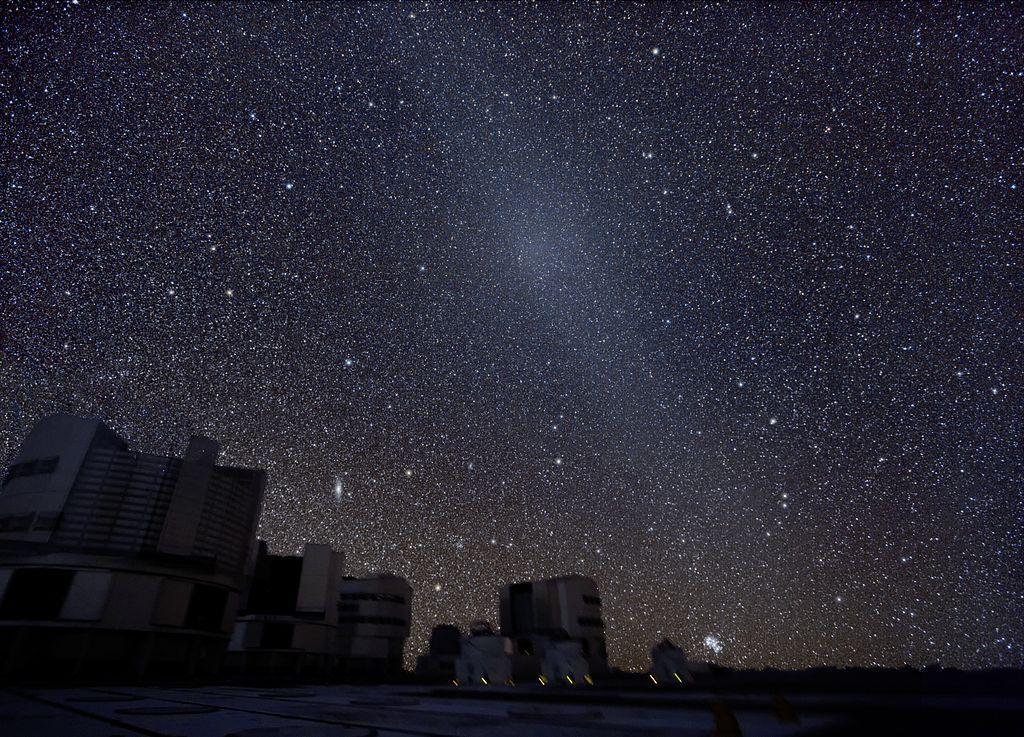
(408, 473)
(483, 680)
(569, 679)
(677, 677)
(588, 679)
(455, 681)
(653, 679)
(543, 680)
(510, 682)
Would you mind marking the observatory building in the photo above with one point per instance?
(118, 562)
(535, 614)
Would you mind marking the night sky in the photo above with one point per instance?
(719, 306)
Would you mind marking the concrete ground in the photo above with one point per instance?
(313, 711)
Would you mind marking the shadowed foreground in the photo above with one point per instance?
(223, 711)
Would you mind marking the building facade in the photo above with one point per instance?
(485, 657)
(536, 613)
(120, 562)
(287, 626)
(373, 625)
(438, 662)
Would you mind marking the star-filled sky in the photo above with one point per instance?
(718, 305)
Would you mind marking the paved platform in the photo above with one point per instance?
(221, 711)
(350, 711)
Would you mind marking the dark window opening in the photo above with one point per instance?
(31, 468)
(521, 608)
(36, 593)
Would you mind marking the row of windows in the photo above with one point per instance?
(31, 468)
(590, 622)
(395, 621)
(39, 594)
(393, 598)
(595, 600)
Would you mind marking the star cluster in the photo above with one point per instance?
(718, 305)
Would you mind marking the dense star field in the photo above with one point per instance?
(720, 306)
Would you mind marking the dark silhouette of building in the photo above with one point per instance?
(119, 562)
(288, 624)
(536, 613)
(373, 625)
(669, 665)
(303, 617)
(444, 649)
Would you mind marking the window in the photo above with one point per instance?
(31, 468)
(36, 593)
